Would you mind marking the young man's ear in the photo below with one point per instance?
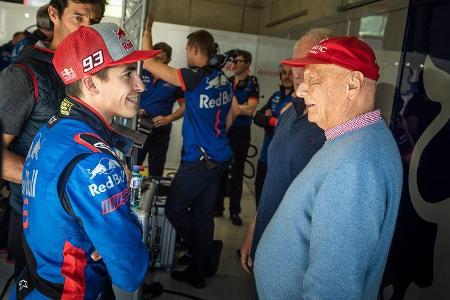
(53, 14)
(88, 83)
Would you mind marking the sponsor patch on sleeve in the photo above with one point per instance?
(94, 143)
(114, 202)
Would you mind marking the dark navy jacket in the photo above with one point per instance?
(48, 92)
(76, 201)
(294, 143)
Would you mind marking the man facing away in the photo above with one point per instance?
(338, 216)
(30, 94)
(210, 109)
(79, 231)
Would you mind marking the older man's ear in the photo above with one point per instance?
(355, 84)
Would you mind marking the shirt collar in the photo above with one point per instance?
(354, 124)
(82, 111)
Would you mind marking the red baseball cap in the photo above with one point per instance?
(348, 52)
(90, 49)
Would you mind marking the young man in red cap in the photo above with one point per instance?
(30, 94)
(79, 231)
(337, 218)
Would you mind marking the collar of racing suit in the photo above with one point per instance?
(80, 110)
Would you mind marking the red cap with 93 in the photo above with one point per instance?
(90, 49)
(348, 52)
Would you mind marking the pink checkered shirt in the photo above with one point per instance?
(354, 124)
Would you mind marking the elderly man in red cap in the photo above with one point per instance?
(329, 238)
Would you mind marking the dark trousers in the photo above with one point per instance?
(261, 172)
(156, 146)
(15, 247)
(239, 138)
(4, 226)
(190, 208)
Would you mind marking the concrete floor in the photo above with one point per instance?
(230, 282)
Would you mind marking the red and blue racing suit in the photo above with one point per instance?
(76, 201)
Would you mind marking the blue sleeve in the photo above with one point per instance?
(346, 222)
(178, 94)
(98, 193)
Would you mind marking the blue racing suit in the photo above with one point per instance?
(76, 201)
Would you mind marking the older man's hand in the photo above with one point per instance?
(246, 260)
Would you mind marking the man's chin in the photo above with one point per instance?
(129, 112)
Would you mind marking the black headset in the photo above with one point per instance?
(219, 60)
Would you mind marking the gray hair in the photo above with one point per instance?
(314, 35)
(43, 19)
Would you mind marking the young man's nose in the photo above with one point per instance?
(138, 85)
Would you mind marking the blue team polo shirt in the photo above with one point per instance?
(276, 103)
(208, 94)
(159, 96)
(243, 90)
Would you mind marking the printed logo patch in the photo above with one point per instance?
(113, 203)
(68, 74)
(52, 121)
(112, 175)
(65, 107)
(93, 61)
(29, 183)
(23, 284)
(36, 146)
(105, 166)
(128, 45)
(318, 48)
(122, 37)
(25, 214)
(216, 82)
(119, 33)
(223, 99)
(94, 142)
